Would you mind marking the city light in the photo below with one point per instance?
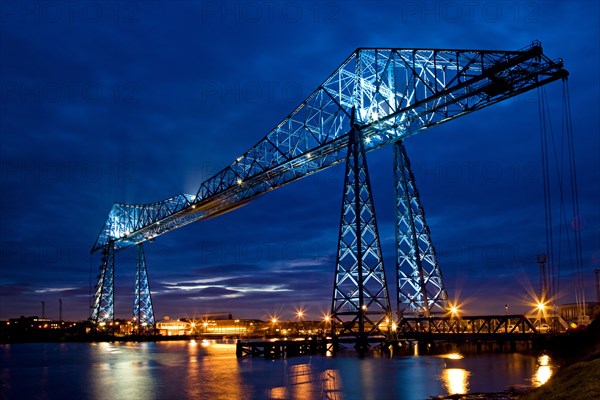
(300, 314)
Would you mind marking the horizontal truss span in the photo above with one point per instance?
(478, 325)
(395, 92)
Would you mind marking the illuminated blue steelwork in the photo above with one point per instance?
(421, 290)
(396, 93)
(360, 297)
(143, 312)
(103, 308)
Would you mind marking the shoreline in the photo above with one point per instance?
(577, 376)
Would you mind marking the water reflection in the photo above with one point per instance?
(211, 370)
(456, 380)
(454, 377)
(119, 370)
(331, 385)
(543, 372)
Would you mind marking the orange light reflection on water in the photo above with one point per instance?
(543, 372)
(456, 380)
(213, 372)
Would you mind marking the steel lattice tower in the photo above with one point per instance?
(143, 311)
(360, 296)
(420, 286)
(103, 308)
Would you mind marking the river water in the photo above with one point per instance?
(211, 370)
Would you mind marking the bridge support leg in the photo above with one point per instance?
(421, 290)
(143, 313)
(103, 308)
(360, 305)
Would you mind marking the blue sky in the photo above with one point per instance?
(137, 101)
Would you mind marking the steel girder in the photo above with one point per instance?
(103, 308)
(420, 287)
(143, 312)
(396, 93)
(360, 302)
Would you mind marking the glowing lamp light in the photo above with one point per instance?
(274, 320)
(239, 181)
(326, 318)
(541, 306)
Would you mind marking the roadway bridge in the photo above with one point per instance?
(376, 97)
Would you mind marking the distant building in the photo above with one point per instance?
(569, 312)
(233, 327)
(29, 323)
(168, 327)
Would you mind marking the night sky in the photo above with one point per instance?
(137, 101)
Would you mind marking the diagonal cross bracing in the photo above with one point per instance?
(103, 307)
(143, 312)
(421, 290)
(360, 304)
(396, 93)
